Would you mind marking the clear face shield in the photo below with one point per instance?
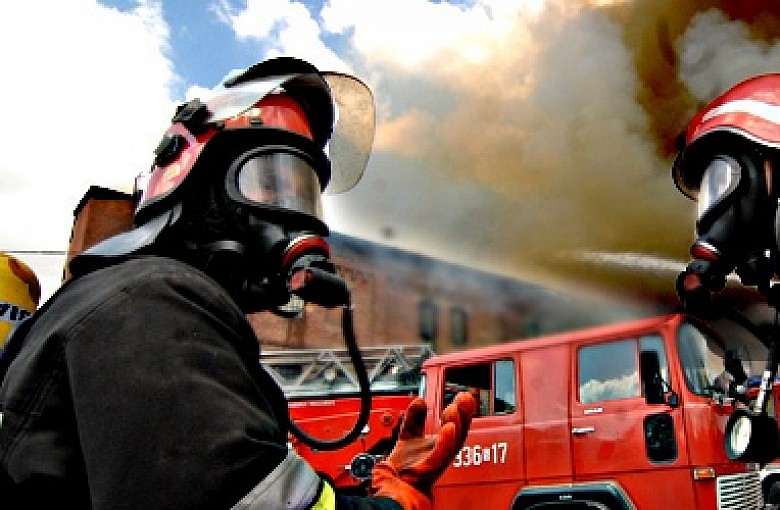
(344, 104)
(731, 226)
(719, 180)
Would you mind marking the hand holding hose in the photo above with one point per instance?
(407, 475)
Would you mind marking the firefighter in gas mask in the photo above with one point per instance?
(730, 164)
(138, 383)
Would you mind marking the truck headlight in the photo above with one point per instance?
(751, 437)
(738, 435)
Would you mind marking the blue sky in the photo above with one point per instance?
(202, 44)
(501, 124)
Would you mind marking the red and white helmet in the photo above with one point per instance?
(749, 111)
(278, 134)
(283, 102)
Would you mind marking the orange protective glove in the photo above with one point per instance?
(416, 462)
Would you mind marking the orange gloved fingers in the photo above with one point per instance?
(385, 483)
(416, 462)
(456, 420)
(460, 412)
(426, 470)
(413, 424)
(412, 444)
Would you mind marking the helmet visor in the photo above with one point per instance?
(280, 179)
(719, 180)
(348, 144)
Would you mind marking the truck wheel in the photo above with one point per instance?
(771, 489)
(589, 496)
(578, 505)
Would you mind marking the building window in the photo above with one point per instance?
(428, 313)
(531, 328)
(459, 326)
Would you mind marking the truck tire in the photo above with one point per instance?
(771, 489)
(591, 496)
(581, 505)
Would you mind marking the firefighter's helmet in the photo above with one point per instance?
(282, 130)
(728, 163)
(287, 110)
(20, 292)
(236, 182)
(748, 112)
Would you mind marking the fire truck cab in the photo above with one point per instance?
(617, 417)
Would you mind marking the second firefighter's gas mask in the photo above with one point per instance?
(727, 161)
(731, 196)
(734, 221)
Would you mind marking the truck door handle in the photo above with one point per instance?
(578, 431)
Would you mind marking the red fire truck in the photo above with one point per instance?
(322, 390)
(618, 417)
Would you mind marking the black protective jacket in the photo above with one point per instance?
(138, 386)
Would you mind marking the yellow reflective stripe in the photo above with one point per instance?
(327, 499)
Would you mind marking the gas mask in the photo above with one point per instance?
(273, 195)
(732, 232)
(727, 165)
(261, 151)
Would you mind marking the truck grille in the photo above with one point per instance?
(739, 492)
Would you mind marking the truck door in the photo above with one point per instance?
(622, 427)
(493, 453)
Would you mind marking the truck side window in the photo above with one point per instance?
(491, 383)
(656, 383)
(504, 399)
(654, 343)
(702, 358)
(608, 371)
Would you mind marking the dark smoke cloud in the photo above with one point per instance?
(548, 157)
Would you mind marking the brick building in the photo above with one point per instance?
(399, 297)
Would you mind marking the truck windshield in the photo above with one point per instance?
(703, 354)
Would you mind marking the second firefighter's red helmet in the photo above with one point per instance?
(749, 111)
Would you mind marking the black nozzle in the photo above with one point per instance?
(313, 278)
(696, 284)
(315, 285)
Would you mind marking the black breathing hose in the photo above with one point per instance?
(365, 393)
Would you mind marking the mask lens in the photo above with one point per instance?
(280, 179)
(718, 181)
